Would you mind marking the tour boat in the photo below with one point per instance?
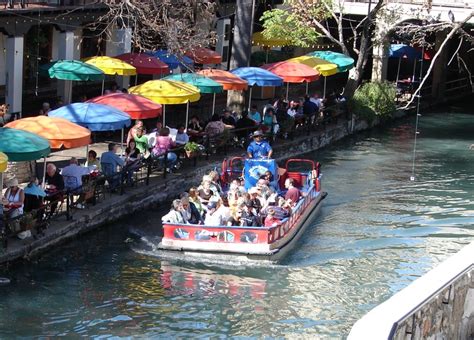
(243, 244)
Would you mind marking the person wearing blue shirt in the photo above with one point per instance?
(259, 148)
(111, 159)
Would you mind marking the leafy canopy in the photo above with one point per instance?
(295, 23)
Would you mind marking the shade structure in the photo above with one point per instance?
(202, 55)
(204, 84)
(167, 91)
(259, 39)
(343, 62)
(171, 60)
(112, 66)
(71, 70)
(292, 72)
(144, 63)
(228, 80)
(22, 146)
(3, 162)
(95, 117)
(258, 76)
(324, 67)
(137, 107)
(403, 51)
(60, 133)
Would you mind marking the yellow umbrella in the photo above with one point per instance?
(112, 66)
(3, 162)
(259, 39)
(324, 67)
(167, 92)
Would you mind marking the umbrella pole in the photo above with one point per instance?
(213, 104)
(1, 183)
(250, 97)
(187, 115)
(136, 79)
(164, 115)
(307, 85)
(43, 183)
(87, 153)
(398, 70)
(287, 89)
(121, 142)
(266, 56)
(103, 85)
(414, 70)
(324, 91)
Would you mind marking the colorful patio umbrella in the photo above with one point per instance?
(259, 39)
(95, 117)
(343, 62)
(60, 133)
(3, 162)
(202, 55)
(402, 51)
(324, 67)
(170, 59)
(229, 81)
(71, 70)
(112, 66)
(137, 107)
(204, 84)
(167, 92)
(144, 63)
(257, 76)
(292, 72)
(22, 146)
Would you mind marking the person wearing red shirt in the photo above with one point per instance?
(293, 194)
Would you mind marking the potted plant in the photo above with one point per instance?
(192, 149)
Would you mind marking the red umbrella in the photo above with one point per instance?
(144, 63)
(292, 72)
(201, 55)
(137, 107)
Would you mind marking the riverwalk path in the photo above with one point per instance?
(159, 190)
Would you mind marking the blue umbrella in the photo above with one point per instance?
(257, 76)
(171, 60)
(95, 117)
(403, 51)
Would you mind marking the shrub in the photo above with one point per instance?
(374, 99)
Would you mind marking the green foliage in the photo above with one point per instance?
(294, 24)
(191, 147)
(374, 99)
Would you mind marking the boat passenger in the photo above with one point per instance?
(271, 220)
(264, 190)
(255, 200)
(214, 216)
(293, 194)
(249, 216)
(190, 213)
(259, 148)
(215, 185)
(205, 193)
(174, 215)
(236, 219)
(279, 212)
(194, 198)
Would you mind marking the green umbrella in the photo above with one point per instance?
(21, 146)
(71, 70)
(343, 62)
(204, 84)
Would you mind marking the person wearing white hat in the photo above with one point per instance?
(14, 198)
(259, 148)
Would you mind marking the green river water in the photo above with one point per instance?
(377, 232)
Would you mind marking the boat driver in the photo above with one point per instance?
(259, 148)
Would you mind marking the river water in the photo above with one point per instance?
(377, 232)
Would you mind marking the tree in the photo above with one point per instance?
(177, 25)
(306, 21)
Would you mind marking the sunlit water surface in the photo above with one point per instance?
(377, 232)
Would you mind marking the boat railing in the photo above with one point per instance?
(278, 232)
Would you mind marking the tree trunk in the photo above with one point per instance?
(242, 44)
